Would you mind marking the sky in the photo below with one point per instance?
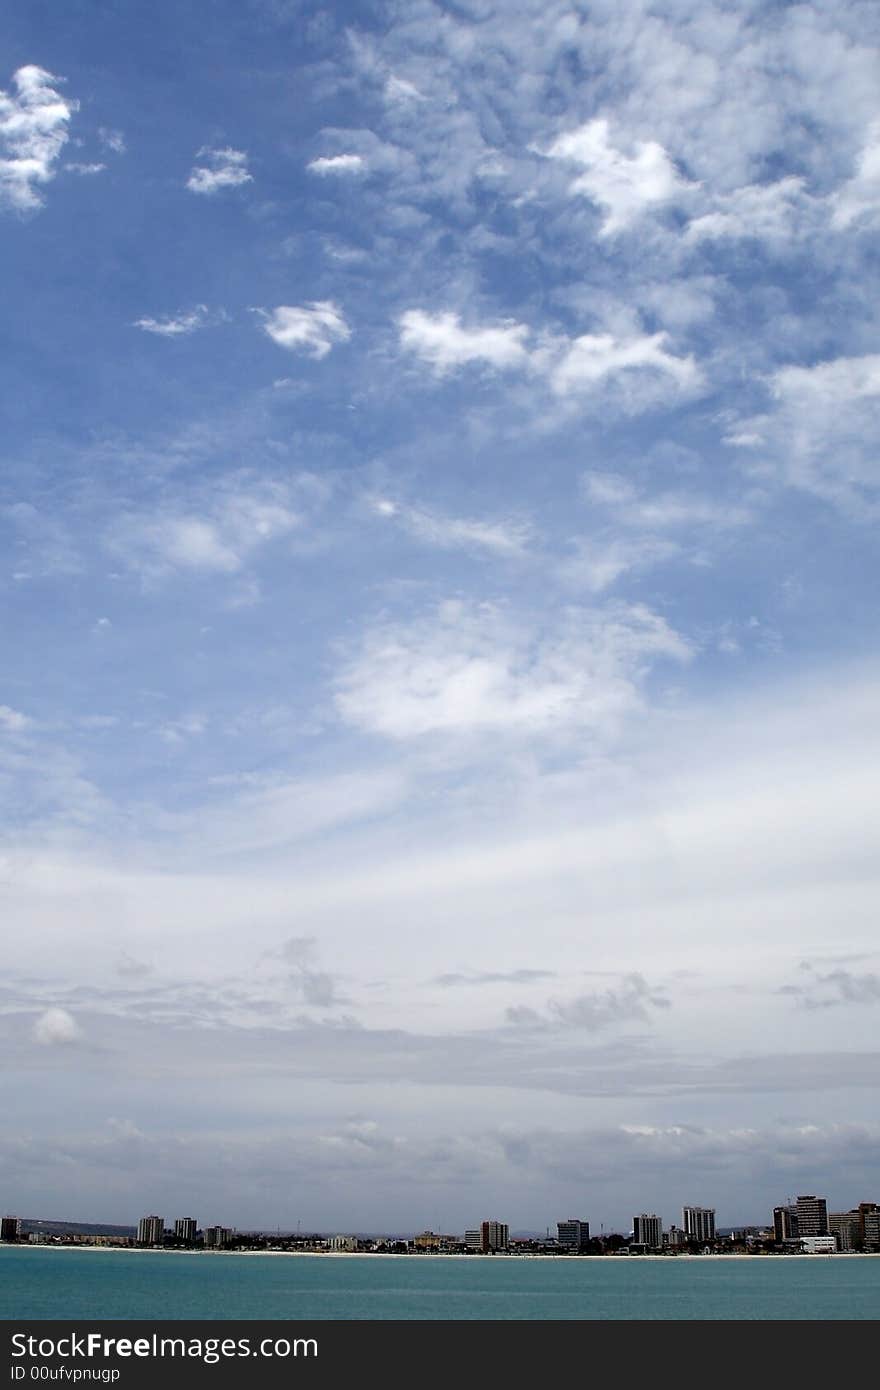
(439, 677)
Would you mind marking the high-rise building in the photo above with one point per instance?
(844, 1226)
(151, 1230)
(785, 1224)
(648, 1231)
(869, 1215)
(491, 1236)
(185, 1228)
(812, 1216)
(698, 1223)
(10, 1228)
(573, 1235)
(494, 1235)
(216, 1237)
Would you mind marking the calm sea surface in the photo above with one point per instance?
(74, 1284)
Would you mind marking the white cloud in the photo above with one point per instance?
(769, 212)
(33, 132)
(311, 328)
(501, 538)
(85, 169)
(398, 89)
(588, 360)
(626, 186)
(56, 1027)
(338, 164)
(707, 99)
(177, 325)
(342, 251)
(47, 542)
(743, 439)
(821, 435)
(660, 510)
(638, 536)
(112, 139)
(469, 669)
(355, 150)
(596, 564)
(441, 340)
(642, 365)
(280, 811)
(180, 730)
(217, 539)
(609, 489)
(224, 168)
(188, 543)
(12, 720)
(681, 302)
(829, 383)
(860, 197)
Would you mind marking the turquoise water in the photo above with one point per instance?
(75, 1284)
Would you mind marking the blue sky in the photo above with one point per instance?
(439, 586)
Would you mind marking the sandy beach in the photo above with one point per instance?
(390, 1255)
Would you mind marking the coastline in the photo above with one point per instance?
(390, 1255)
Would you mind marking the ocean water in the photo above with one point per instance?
(76, 1284)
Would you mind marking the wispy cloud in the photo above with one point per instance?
(317, 987)
(174, 542)
(467, 668)
(771, 212)
(399, 89)
(45, 543)
(272, 812)
(596, 563)
(34, 122)
(453, 979)
(630, 1000)
(176, 325)
(112, 139)
(310, 328)
(659, 511)
(85, 169)
(12, 720)
(820, 434)
(835, 988)
(128, 967)
(218, 538)
(858, 200)
(225, 168)
(453, 533)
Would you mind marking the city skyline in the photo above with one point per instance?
(805, 1216)
(438, 708)
(803, 1227)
